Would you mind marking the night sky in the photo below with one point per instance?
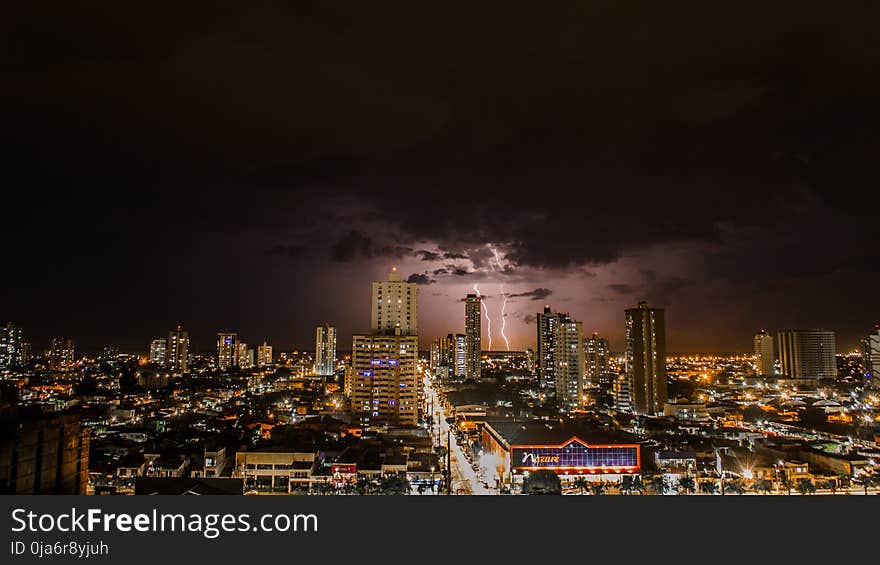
(254, 165)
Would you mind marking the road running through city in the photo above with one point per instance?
(464, 479)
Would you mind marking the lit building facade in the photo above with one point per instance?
(227, 350)
(645, 358)
(871, 358)
(569, 373)
(395, 306)
(765, 359)
(384, 379)
(807, 354)
(177, 350)
(12, 352)
(325, 350)
(547, 323)
(264, 355)
(62, 355)
(473, 335)
(157, 351)
(596, 355)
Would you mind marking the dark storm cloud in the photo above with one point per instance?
(440, 271)
(621, 288)
(426, 255)
(420, 279)
(567, 136)
(537, 294)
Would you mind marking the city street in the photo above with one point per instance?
(464, 479)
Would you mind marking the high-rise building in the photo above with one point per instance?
(871, 358)
(807, 354)
(177, 350)
(645, 358)
(11, 347)
(384, 381)
(459, 360)
(473, 336)
(227, 350)
(569, 372)
(244, 358)
(43, 455)
(596, 354)
(621, 394)
(764, 357)
(264, 355)
(157, 351)
(325, 350)
(395, 306)
(547, 323)
(62, 354)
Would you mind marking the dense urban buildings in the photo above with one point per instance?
(807, 354)
(473, 335)
(325, 350)
(395, 305)
(765, 361)
(264, 355)
(61, 354)
(646, 358)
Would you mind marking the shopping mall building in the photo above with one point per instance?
(517, 447)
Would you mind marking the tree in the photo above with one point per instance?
(805, 486)
(659, 485)
(686, 485)
(394, 484)
(763, 485)
(735, 486)
(597, 488)
(864, 481)
(581, 484)
(627, 485)
(708, 487)
(831, 484)
(542, 482)
(786, 483)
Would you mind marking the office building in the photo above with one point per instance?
(12, 352)
(765, 359)
(871, 358)
(395, 306)
(157, 351)
(473, 336)
(645, 358)
(807, 354)
(596, 355)
(227, 350)
(264, 355)
(61, 355)
(177, 350)
(325, 350)
(245, 357)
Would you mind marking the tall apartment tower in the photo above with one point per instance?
(177, 350)
(385, 376)
(227, 350)
(157, 351)
(596, 354)
(473, 334)
(871, 358)
(807, 354)
(395, 306)
(764, 356)
(646, 358)
(244, 356)
(264, 355)
(62, 354)
(459, 359)
(569, 372)
(11, 346)
(547, 323)
(325, 350)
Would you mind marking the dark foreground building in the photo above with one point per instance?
(43, 454)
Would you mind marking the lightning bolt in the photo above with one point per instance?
(485, 313)
(504, 317)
